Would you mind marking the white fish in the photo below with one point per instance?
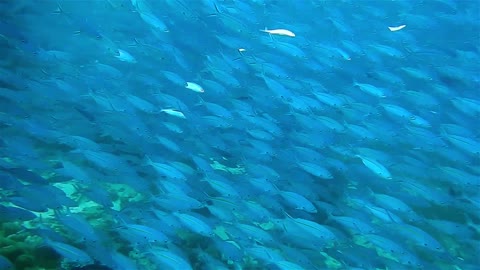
(280, 32)
(396, 28)
(194, 87)
(174, 112)
(125, 56)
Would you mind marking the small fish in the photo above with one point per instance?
(375, 167)
(194, 87)
(174, 112)
(195, 224)
(298, 201)
(396, 28)
(70, 253)
(284, 265)
(280, 32)
(169, 259)
(143, 233)
(125, 56)
(315, 170)
(370, 89)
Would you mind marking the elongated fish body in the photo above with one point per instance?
(281, 32)
(70, 253)
(194, 87)
(195, 224)
(375, 167)
(298, 201)
(371, 89)
(173, 112)
(396, 28)
(125, 56)
(315, 170)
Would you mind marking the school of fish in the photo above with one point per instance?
(225, 134)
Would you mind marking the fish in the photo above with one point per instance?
(284, 265)
(139, 233)
(195, 224)
(174, 112)
(124, 56)
(298, 201)
(169, 259)
(78, 225)
(371, 89)
(15, 214)
(173, 134)
(396, 28)
(5, 263)
(374, 166)
(315, 170)
(194, 87)
(70, 253)
(281, 32)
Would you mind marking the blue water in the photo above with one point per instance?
(259, 134)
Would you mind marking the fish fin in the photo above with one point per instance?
(200, 102)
